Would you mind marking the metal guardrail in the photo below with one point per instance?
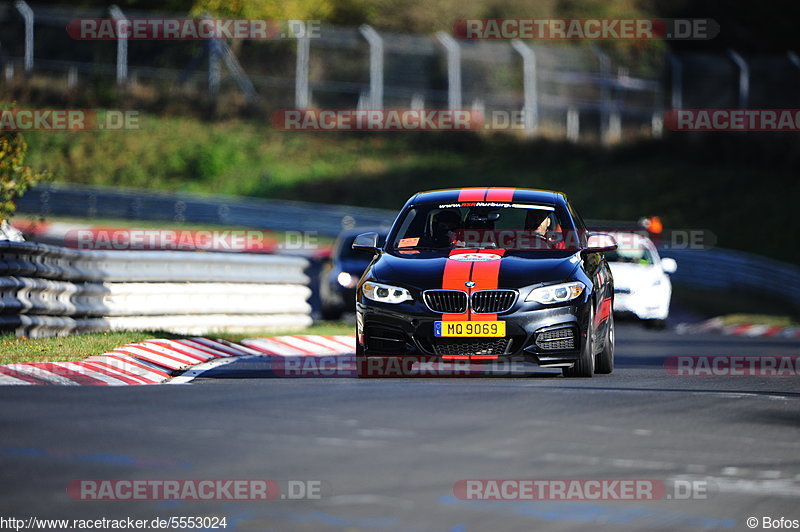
(27, 295)
(47, 290)
(83, 201)
(51, 262)
(725, 269)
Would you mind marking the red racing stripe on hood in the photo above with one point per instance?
(486, 275)
(456, 274)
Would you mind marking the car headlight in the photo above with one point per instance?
(346, 280)
(385, 293)
(556, 293)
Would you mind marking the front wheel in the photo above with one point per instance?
(605, 360)
(361, 362)
(584, 367)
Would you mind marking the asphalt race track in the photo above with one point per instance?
(389, 452)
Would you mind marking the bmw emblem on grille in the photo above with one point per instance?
(469, 284)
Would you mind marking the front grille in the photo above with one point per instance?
(446, 301)
(556, 339)
(493, 301)
(483, 347)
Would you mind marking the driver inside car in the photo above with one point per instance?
(538, 222)
(445, 225)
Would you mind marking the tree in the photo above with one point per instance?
(15, 176)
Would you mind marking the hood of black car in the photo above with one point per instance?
(426, 270)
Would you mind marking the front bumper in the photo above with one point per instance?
(533, 334)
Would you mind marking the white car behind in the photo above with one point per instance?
(641, 279)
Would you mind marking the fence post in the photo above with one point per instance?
(573, 124)
(453, 69)
(302, 96)
(122, 44)
(676, 97)
(605, 97)
(237, 72)
(657, 125)
(27, 15)
(72, 77)
(375, 65)
(744, 78)
(531, 106)
(213, 68)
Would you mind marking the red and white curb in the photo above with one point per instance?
(716, 325)
(303, 345)
(173, 361)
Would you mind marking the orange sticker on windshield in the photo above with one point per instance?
(408, 242)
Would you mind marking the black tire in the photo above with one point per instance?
(361, 363)
(584, 367)
(605, 359)
(656, 325)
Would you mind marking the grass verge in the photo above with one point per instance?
(759, 319)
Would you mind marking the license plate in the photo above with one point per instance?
(469, 328)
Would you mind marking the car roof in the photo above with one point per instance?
(526, 195)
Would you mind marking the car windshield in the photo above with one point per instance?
(496, 226)
(631, 255)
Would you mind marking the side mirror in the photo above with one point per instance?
(669, 265)
(599, 242)
(366, 242)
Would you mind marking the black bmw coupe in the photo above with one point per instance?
(487, 274)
